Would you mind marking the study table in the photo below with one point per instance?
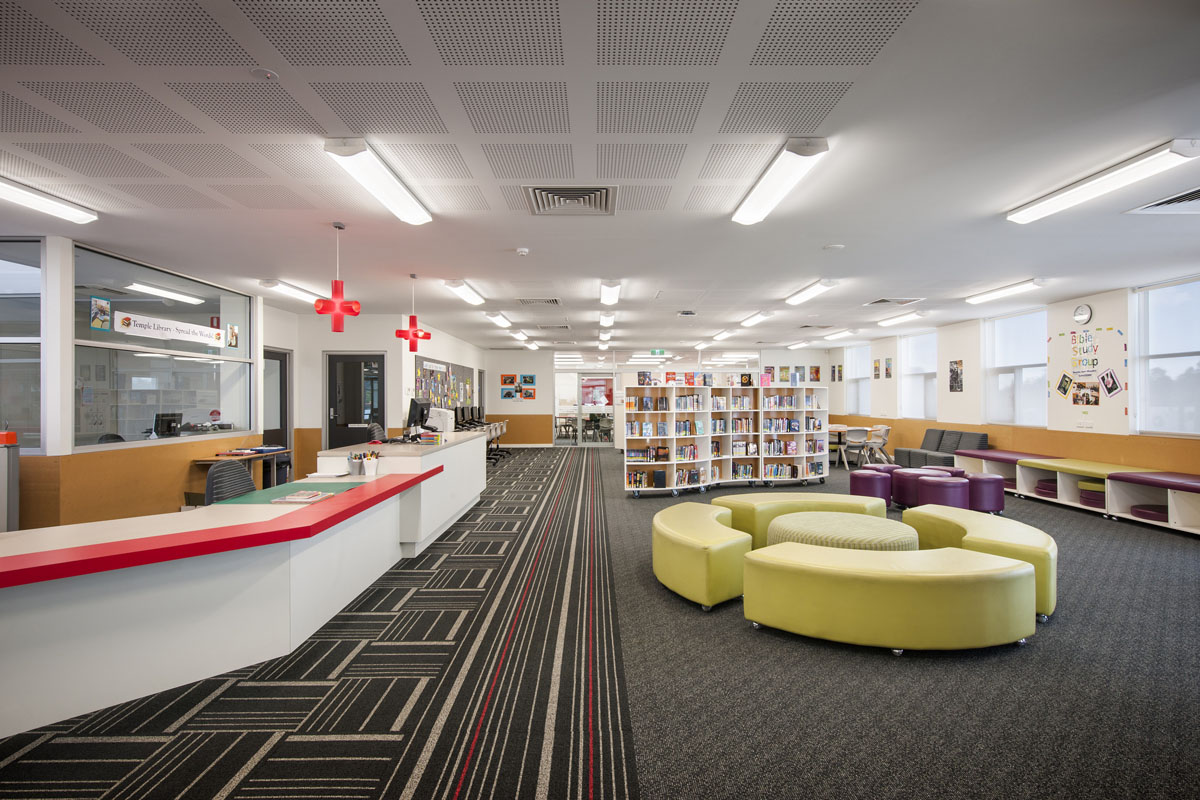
(100, 613)
(249, 458)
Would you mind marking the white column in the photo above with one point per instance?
(58, 345)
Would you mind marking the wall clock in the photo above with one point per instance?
(1083, 314)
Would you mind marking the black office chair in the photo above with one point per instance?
(226, 479)
(109, 438)
(376, 432)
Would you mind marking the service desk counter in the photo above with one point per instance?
(105, 612)
(445, 497)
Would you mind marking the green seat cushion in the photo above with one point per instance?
(1092, 486)
(1078, 466)
(837, 529)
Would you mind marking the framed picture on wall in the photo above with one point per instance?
(1064, 384)
(876, 372)
(508, 380)
(509, 393)
(1108, 382)
(528, 394)
(529, 380)
(887, 368)
(814, 374)
(956, 375)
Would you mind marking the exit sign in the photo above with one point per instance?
(657, 352)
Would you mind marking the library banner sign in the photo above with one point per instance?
(155, 328)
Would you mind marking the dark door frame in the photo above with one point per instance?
(287, 411)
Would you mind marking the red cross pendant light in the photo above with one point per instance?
(413, 333)
(337, 307)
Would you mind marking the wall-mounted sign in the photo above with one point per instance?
(155, 328)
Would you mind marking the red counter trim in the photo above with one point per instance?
(303, 523)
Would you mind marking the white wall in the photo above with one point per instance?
(835, 356)
(520, 362)
(961, 341)
(281, 329)
(1085, 352)
(885, 392)
(804, 357)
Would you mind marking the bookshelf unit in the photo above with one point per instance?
(682, 438)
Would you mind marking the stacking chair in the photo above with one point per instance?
(226, 479)
(605, 429)
(855, 444)
(875, 444)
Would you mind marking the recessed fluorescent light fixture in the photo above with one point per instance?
(45, 203)
(1152, 162)
(605, 335)
(1005, 291)
(149, 355)
(794, 161)
(532, 345)
(603, 345)
(810, 291)
(911, 316)
(364, 166)
(703, 345)
(839, 335)
(754, 319)
(290, 291)
(498, 319)
(167, 293)
(797, 345)
(610, 292)
(464, 291)
(607, 318)
(520, 336)
(722, 336)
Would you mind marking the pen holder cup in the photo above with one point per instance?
(370, 466)
(354, 467)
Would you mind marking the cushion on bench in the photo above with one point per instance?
(973, 441)
(753, 511)
(933, 437)
(949, 442)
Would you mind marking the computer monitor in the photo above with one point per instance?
(167, 424)
(418, 412)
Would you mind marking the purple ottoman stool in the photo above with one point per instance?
(954, 492)
(871, 483)
(986, 492)
(904, 484)
(953, 472)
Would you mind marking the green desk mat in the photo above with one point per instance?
(283, 490)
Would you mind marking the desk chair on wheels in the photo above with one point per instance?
(226, 479)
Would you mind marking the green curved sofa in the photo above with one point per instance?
(696, 553)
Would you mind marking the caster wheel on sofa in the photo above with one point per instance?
(706, 608)
(1043, 618)
(897, 652)
(703, 490)
(756, 625)
(769, 484)
(822, 480)
(636, 495)
(1022, 642)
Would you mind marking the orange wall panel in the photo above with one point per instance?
(39, 491)
(529, 429)
(306, 443)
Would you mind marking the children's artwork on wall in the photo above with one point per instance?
(508, 380)
(529, 380)
(887, 368)
(1108, 382)
(528, 394)
(799, 372)
(956, 375)
(814, 374)
(101, 316)
(770, 371)
(839, 373)
(509, 393)
(443, 384)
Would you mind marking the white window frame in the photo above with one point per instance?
(41, 243)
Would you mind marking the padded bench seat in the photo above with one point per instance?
(696, 554)
(945, 599)
(1179, 481)
(938, 448)
(1003, 456)
(1077, 466)
(753, 511)
(838, 529)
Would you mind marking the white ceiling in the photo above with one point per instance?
(941, 116)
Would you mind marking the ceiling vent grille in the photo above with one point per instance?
(565, 342)
(538, 301)
(686, 313)
(815, 327)
(571, 201)
(894, 301)
(554, 327)
(1186, 203)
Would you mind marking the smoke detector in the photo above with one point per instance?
(522, 251)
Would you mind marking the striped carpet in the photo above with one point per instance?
(488, 666)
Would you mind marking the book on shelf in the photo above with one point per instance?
(708, 379)
(662, 429)
(670, 379)
(647, 429)
(764, 379)
(790, 449)
(751, 448)
(643, 378)
(747, 379)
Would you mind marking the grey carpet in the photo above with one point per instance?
(1103, 702)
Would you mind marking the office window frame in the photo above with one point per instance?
(1019, 373)
(927, 378)
(1144, 360)
(34, 342)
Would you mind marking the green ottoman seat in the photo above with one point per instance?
(839, 529)
(753, 511)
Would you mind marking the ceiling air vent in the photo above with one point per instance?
(1186, 203)
(554, 327)
(564, 343)
(815, 327)
(686, 314)
(538, 301)
(894, 301)
(570, 201)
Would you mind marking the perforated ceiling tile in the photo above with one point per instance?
(85, 195)
(662, 107)
(662, 32)
(643, 198)
(495, 32)
(160, 32)
(112, 107)
(829, 32)
(307, 162)
(13, 166)
(345, 197)
(27, 41)
(263, 197)
(530, 161)
(647, 161)
(369, 108)
(249, 107)
(17, 116)
(202, 160)
(737, 161)
(514, 198)
(327, 33)
(425, 161)
(714, 199)
(527, 107)
(168, 195)
(788, 109)
(452, 199)
(93, 160)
